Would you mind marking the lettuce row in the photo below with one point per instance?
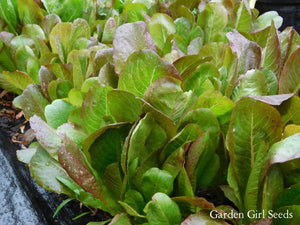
(139, 105)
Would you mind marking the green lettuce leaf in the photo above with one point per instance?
(129, 38)
(141, 69)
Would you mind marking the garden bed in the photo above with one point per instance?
(158, 112)
(23, 201)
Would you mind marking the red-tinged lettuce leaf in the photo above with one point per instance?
(124, 106)
(135, 171)
(289, 197)
(141, 70)
(73, 131)
(140, 153)
(19, 79)
(220, 105)
(272, 81)
(79, 60)
(33, 102)
(175, 6)
(18, 42)
(65, 37)
(129, 38)
(160, 27)
(186, 65)
(248, 52)
(188, 134)
(206, 121)
(261, 36)
(265, 20)
(75, 97)
(113, 179)
(274, 100)
(183, 27)
(186, 14)
(290, 41)
(32, 68)
(271, 57)
(208, 179)
(45, 77)
(200, 157)
(254, 126)
(107, 76)
(29, 12)
(134, 12)
(163, 120)
(109, 31)
(217, 50)
(203, 217)
(94, 112)
(272, 186)
(25, 155)
(289, 80)
(166, 95)
(84, 197)
(44, 170)
(80, 28)
(155, 180)
(289, 111)
(74, 116)
(59, 89)
(105, 146)
(285, 150)
(243, 21)
(174, 163)
(192, 204)
(196, 80)
(46, 136)
(251, 196)
(7, 63)
(102, 57)
(213, 19)
(146, 138)
(88, 83)
(230, 194)
(48, 22)
(253, 83)
(195, 46)
(88, 142)
(63, 71)
(59, 39)
(162, 210)
(182, 185)
(229, 72)
(22, 55)
(6, 38)
(57, 113)
(74, 162)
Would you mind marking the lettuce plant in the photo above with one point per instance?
(141, 105)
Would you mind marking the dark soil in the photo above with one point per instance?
(13, 125)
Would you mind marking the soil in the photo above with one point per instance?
(13, 125)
